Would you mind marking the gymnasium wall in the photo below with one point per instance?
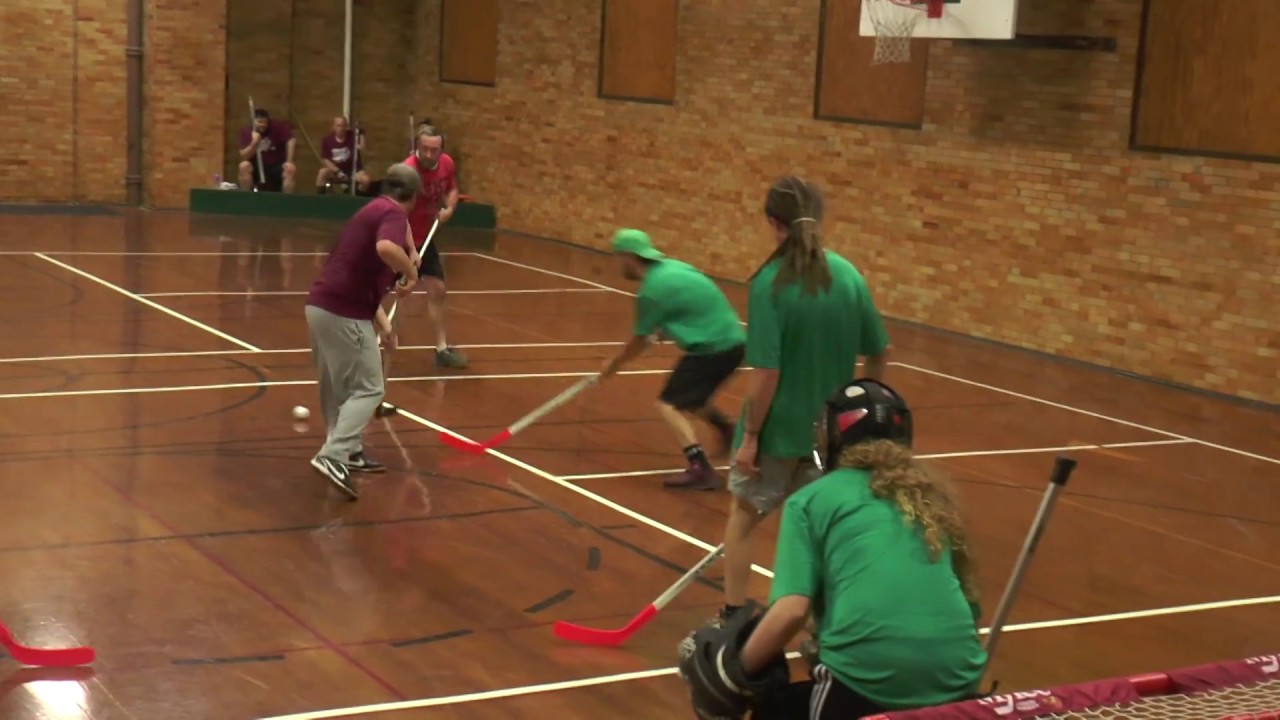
(1000, 199)
(63, 90)
(288, 55)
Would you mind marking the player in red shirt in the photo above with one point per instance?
(439, 187)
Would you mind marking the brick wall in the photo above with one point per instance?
(288, 55)
(62, 77)
(184, 74)
(1017, 214)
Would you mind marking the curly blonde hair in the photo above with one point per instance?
(924, 497)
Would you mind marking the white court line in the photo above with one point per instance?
(985, 386)
(284, 383)
(149, 303)
(214, 293)
(632, 473)
(553, 274)
(207, 353)
(1090, 413)
(645, 519)
(927, 456)
(661, 672)
(1060, 448)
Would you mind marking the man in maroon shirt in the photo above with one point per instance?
(439, 187)
(342, 157)
(345, 319)
(275, 139)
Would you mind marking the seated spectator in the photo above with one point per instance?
(274, 139)
(342, 158)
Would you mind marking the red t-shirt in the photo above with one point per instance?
(436, 185)
(354, 278)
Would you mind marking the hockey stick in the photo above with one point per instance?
(1062, 468)
(386, 408)
(476, 448)
(391, 315)
(37, 657)
(253, 118)
(613, 638)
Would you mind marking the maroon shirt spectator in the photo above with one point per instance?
(336, 158)
(275, 140)
(276, 146)
(339, 150)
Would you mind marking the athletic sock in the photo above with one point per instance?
(696, 456)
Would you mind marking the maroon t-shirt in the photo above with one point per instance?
(273, 144)
(354, 278)
(338, 150)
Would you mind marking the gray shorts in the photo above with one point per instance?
(777, 478)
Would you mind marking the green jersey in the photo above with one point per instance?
(814, 341)
(688, 307)
(892, 625)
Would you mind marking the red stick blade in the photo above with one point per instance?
(498, 439)
(69, 657)
(603, 638)
(35, 657)
(462, 444)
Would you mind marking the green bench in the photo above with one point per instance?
(305, 206)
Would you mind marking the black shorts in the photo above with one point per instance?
(697, 377)
(274, 180)
(431, 265)
(822, 698)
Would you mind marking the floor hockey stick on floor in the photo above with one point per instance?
(38, 657)
(476, 448)
(612, 638)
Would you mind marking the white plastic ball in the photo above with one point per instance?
(301, 413)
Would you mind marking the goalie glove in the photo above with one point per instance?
(710, 664)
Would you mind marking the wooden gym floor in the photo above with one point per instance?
(158, 503)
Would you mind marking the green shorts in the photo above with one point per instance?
(777, 478)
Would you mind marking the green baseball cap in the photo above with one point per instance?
(637, 243)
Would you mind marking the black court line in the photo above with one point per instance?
(550, 601)
(430, 638)
(219, 534)
(229, 660)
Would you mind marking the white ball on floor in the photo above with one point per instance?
(301, 413)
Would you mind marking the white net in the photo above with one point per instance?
(895, 21)
(1259, 701)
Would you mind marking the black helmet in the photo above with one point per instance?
(859, 411)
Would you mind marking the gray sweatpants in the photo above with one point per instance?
(346, 356)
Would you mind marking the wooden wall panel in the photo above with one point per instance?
(850, 88)
(638, 50)
(1207, 78)
(469, 41)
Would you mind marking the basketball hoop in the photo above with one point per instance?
(895, 23)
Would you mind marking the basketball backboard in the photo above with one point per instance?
(975, 19)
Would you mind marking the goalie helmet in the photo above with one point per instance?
(860, 411)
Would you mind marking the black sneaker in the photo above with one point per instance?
(385, 409)
(337, 473)
(361, 463)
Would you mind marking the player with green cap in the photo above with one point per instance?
(685, 306)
